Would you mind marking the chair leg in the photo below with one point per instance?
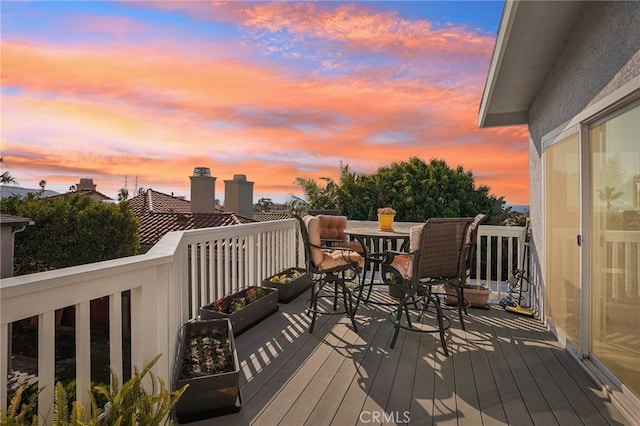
(396, 330)
(335, 295)
(440, 316)
(350, 311)
(461, 306)
(406, 311)
(314, 305)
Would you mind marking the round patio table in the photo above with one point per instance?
(376, 242)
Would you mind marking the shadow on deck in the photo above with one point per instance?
(504, 369)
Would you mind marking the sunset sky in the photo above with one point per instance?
(272, 90)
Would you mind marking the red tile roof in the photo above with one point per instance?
(154, 201)
(161, 213)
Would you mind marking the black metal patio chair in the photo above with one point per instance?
(328, 264)
(438, 249)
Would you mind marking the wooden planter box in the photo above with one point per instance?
(209, 394)
(478, 298)
(250, 314)
(292, 289)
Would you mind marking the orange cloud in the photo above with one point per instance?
(156, 111)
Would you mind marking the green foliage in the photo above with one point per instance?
(131, 404)
(128, 405)
(19, 412)
(70, 230)
(78, 417)
(415, 189)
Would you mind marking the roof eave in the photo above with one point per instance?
(506, 23)
(530, 37)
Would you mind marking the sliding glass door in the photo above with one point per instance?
(615, 245)
(562, 226)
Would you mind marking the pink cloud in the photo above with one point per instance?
(155, 111)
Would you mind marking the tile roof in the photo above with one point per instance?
(161, 213)
(154, 201)
(267, 216)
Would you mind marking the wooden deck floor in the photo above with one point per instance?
(505, 369)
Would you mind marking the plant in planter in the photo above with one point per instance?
(206, 353)
(385, 218)
(208, 362)
(244, 308)
(290, 283)
(477, 295)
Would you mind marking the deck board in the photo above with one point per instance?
(504, 369)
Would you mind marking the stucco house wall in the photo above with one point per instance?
(601, 55)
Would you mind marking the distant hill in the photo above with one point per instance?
(9, 190)
(519, 208)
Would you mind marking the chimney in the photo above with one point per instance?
(85, 185)
(203, 191)
(238, 195)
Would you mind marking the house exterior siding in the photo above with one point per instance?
(600, 56)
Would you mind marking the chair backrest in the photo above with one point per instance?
(472, 239)
(332, 227)
(310, 238)
(442, 248)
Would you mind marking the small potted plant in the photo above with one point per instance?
(477, 295)
(244, 308)
(290, 283)
(385, 218)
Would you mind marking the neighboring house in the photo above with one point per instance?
(571, 72)
(161, 213)
(9, 226)
(88, 188)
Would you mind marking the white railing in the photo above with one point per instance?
(184, 271)
(499, 250)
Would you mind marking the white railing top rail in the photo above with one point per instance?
(29, 295)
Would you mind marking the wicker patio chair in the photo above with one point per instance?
(324, 264)
(437, 253)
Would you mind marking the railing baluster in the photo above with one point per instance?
(115, 334)
(46, 365)
(83, 352)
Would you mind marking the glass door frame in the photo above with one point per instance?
(559, 135)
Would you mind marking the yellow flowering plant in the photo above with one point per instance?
(286, 277)
(386, 210)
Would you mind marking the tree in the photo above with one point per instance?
(123, 195)
(42, 184)
(415, 189)
(264, 205)
(6, 176)
(609, 194)
(70, 230)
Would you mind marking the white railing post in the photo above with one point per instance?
(46, 365)
(115, 335)
(83, 352)
(4, 364)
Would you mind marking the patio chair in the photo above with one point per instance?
(324, 265)
(438, 249)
